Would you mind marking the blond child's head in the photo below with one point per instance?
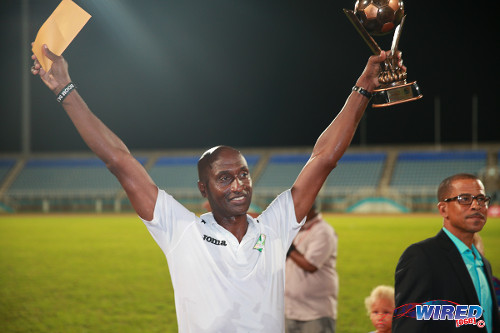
(380, 307)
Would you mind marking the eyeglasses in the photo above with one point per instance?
(466, 199)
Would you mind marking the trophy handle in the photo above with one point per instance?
(362, 31)
(397, 35)
(395, 43)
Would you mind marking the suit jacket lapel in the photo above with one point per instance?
(489, 275)
(461, 272)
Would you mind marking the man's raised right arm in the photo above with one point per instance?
(140, 188)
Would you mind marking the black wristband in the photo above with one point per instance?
(362, 91)
(65, 92)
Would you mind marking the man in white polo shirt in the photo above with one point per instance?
(225, 281)
(227, 268)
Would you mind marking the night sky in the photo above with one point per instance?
(259, 73)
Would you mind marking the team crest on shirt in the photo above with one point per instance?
(259, 246)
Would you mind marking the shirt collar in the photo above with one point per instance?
(210, 219)
(462, 248)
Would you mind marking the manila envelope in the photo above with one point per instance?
(59, 30)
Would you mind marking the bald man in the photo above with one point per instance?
(227, 268)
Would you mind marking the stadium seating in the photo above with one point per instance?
(64, 177)
(5, 166)
(179, 174)
(280, 173)
(421, 172)
(408, 178)
(355, 171)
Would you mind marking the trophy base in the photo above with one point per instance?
(395, 95)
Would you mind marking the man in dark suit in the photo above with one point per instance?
(447, 268)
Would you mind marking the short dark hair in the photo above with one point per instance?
(445, 186)
(208, 157)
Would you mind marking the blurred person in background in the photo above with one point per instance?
(380, 307)
(311, 284)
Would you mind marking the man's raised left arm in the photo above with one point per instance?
(335, 140)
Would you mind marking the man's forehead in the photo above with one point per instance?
(229, 160)
(471, 186)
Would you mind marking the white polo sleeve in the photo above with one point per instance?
(170, 219)
(280, 217)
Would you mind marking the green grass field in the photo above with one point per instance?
(104, 273)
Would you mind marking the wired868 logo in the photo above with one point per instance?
(442, 310)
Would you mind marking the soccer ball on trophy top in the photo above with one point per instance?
(377, 18)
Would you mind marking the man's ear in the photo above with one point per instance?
(202, 188)
(443, 209)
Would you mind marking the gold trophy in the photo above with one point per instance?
(379, 17)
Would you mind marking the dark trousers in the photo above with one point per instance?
(321, 325)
